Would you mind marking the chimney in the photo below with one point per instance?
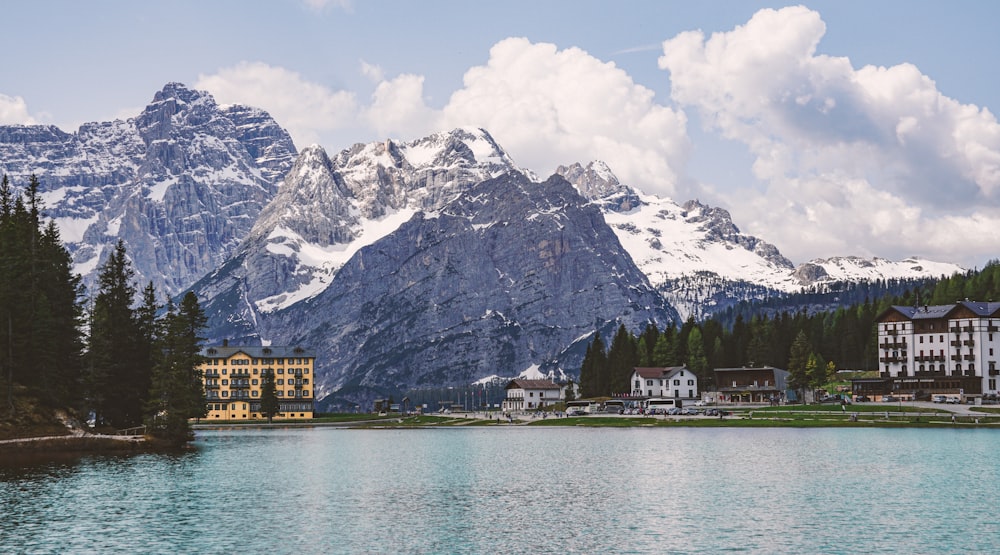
(225, 342)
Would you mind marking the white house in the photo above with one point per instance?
(676, 382)
(525, 394)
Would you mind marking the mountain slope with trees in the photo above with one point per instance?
(137, 365)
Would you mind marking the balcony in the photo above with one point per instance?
(211, 386)
(892, 332)
(991, 329)
(212, 374)
(956, 357)
(956, 343)
(970, 357)
(969, 343)
(954, 329)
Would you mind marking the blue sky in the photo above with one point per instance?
(830, 128)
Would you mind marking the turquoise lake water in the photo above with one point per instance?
(520, 490)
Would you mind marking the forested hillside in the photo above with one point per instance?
(763, 334)
(135, 365)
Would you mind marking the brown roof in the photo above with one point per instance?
(647, 373)
(532, 384)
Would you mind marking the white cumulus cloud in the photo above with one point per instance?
(873, 159)
(306, 109)
(545, 106)
(14, 110)
(548, 107)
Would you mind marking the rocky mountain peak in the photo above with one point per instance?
(508, 275)
(181, 183)
(597, 183)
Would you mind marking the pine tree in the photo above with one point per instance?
(593, 372)
(622, 360)
(697, 362)
(117, 368)
(798, 364)
(269, 404)
(39, 302)
(665, 351)
(177, 394)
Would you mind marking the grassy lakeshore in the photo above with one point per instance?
(794, 416)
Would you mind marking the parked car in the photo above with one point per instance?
(889, 399)
(700, 403)
(862, 399)
(953, 400)
(939, 399)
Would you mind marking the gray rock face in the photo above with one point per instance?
(181, 183)
(508, 275)
(597, 183)
(326, 208)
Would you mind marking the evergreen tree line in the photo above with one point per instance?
(810, 345)
(123, 364)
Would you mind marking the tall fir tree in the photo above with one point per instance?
(665, 351)
(40, 308)
(594, 380)
(798, 364)
(269, 403)
(177, 393)
(622, 360)
(697, 361)
(117, 367)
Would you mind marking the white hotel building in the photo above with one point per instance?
(941, 349)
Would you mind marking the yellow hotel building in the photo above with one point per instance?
(232, 378)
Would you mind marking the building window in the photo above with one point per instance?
(677, 382)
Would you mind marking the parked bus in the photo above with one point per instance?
(657, 406)
(578, 408)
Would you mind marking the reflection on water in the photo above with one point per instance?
(516, 490)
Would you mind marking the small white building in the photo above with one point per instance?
(675, 382)
(523, 394)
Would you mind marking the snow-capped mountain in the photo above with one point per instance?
(328, 208)
(701, 262)
(853, 268)
(181, 183)
(510, 276)
(432, 262)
